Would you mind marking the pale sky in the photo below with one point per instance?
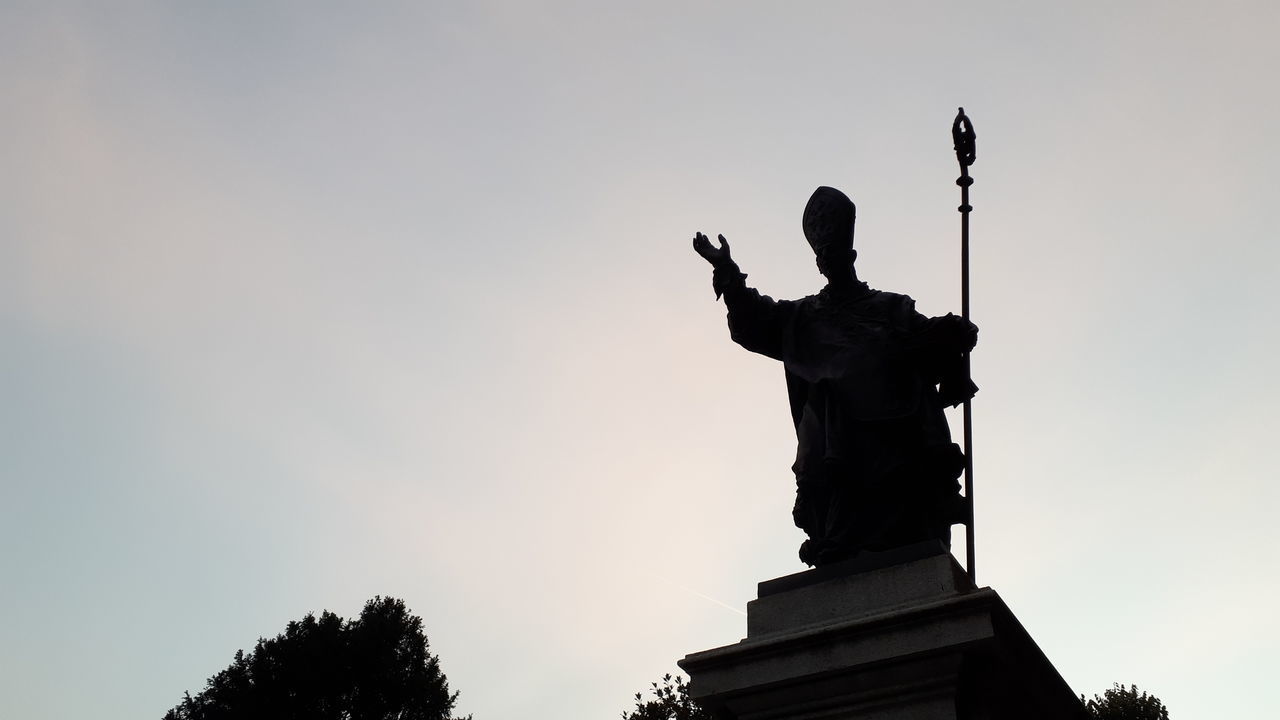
(304, 302)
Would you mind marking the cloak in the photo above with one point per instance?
(867, 380)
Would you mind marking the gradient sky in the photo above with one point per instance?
(304, 302)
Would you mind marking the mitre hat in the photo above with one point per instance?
(828, 220)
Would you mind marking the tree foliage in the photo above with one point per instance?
(375, 667)
(1120, 703)
(671, 701)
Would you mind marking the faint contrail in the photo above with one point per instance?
(691, 591)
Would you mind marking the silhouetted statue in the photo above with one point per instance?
(868, 378)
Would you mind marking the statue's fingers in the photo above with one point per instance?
(701, 244)
(724, 244)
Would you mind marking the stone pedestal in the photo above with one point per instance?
(900, 636)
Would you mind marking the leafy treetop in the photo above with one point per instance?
(671, 701)
(375, 667)
(1120, 703)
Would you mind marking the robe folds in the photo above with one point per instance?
(867, 379)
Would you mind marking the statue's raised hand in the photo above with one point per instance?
(716, 256)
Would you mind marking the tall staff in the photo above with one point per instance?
(962, 134)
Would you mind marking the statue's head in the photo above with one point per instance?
(828, 221)
(828, 226)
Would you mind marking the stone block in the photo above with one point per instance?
(883, 638)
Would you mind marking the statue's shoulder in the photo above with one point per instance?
(869, 299)
(892, 301)
(890, 297)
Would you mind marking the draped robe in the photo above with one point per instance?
(867, 379)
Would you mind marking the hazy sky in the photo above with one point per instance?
(304, 302)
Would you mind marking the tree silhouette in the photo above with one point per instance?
(671, 702)
(375, 667)
(1119, 703)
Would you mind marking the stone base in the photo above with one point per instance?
(899, 636)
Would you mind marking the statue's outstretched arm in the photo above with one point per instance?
(725, 269)
(716, 256)
(756, 321)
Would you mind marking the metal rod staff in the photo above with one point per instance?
(963, 136)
